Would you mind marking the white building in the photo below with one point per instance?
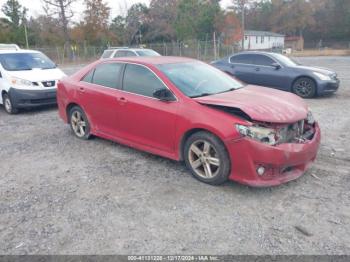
(262, 40)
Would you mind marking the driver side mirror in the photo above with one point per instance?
(164, 94)
(277, 66)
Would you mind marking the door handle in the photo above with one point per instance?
(257, 69)
(122, 100)
(81, 89)
(232, 66)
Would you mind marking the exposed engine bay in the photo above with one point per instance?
(271, 133)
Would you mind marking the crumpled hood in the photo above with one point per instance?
(38, 75)
(261, 104)
(321, 70)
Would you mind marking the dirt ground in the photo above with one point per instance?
(61, 195)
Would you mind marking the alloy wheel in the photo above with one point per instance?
(304, 88)
(78, 124)
(204, 159)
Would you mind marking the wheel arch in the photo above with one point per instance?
(3, 92)
(192, 131)
(69, 107)
(305, 76)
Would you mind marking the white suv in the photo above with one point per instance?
(28, 78)
(114, 52)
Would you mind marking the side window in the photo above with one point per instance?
(107, 54)
(140, 80)
(88, 77)
(124, 53)
(241, 59)
(107, 75)
(263, 60)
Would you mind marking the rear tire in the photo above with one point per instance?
(79, 123)
(206, 157)
(305, 87)
(8, 105)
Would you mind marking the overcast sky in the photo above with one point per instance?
(35, 6)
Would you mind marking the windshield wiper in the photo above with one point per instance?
(229, 90)
(201, 95)
(20, 69)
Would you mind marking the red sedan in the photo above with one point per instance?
(185, 109)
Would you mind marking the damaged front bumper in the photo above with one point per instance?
(281, 163)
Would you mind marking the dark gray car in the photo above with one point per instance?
(280, 72)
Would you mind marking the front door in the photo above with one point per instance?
(144, 119)
(265, 73)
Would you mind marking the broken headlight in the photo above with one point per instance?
(258, 133)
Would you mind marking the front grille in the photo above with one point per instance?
(43, 101)
(48, 83)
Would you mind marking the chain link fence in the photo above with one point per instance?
(202, 50)
(76, 53)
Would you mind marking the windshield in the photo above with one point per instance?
(286, 60)
(196, 79)
(147, 53)
(25, 61)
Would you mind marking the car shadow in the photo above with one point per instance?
(178, 168)
(38, 109)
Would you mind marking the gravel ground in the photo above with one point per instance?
(61, 195)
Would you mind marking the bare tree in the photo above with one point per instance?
(240, 6)
(61, 9)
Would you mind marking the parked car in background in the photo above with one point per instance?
(185, 109)
(115, 52)
(280, 72)
(28, 78)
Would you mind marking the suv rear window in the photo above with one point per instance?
(107, 54)
(124, 53)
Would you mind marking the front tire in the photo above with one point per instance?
(79, 123)
(206, 157)
(8, 105)
(305, 87)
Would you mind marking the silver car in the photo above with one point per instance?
(114, 52)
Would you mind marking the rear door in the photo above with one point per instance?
(242, 68)
(98, 92)
(144, 119)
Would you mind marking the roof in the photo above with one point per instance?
(9, 47)
(261, 33)
(254, 52)
(294, 38)
(154, 60)
(21, 51)
(126, 48)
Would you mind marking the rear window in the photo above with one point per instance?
(124, 53)
(107, 75)
(107, 54)
(147, 53)
(241, 59)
